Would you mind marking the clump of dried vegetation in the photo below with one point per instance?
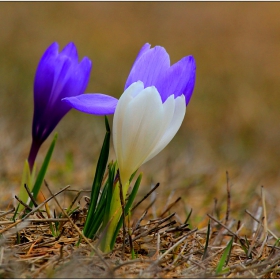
(37, 245)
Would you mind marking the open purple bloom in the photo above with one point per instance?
(58, 75)
(152, 67)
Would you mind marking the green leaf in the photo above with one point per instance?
(225, 257)
(133, 193)
(43, 170)
(277, 242)
(107, 125)
(26, 179)
(188, 217)
(97, 220)
(98, 178)
(111, 186)
(243, 246)
(100, 214)
(127, 207)
(132, 176)
(207, 241)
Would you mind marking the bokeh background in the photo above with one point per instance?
(232, 122)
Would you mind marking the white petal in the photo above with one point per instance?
(123, 102)
(174, 125)
(141, 125)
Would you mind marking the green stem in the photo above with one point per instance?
(113, 218)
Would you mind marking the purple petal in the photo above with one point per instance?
(62, 74)
(179, 79)
(97, 104)
(191, 83)
(145, 48)
(47, 75)
(44, 78)
(77, 79)
(149, 67)
(70, 50)
(51, 51)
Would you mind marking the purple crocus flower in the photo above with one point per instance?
(58, 75)
(152, 67)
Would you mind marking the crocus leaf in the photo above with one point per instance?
(43, 170)
(101, 215)
(97, 217)
(110, 183)
(98, 178)
(26, 179)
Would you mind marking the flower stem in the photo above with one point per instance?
(35, 146)
(110, 225)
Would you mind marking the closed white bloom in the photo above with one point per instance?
(143, 126)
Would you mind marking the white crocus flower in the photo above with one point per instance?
(143, 126)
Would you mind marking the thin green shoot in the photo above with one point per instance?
(188, 217)
(225, 257)
(207, 241)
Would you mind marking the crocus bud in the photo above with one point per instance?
(58, 75)
(143, 125)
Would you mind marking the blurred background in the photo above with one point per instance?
(232, 122)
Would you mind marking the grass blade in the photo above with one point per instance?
(188, 217)
(225, 257)
(207, 241)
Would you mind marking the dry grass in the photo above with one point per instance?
(164, 246)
